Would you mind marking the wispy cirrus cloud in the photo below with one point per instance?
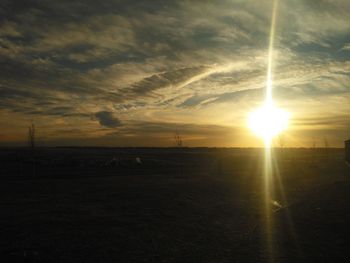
(168, 61)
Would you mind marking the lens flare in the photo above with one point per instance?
(268, 121)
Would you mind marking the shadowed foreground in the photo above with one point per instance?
(175, 205)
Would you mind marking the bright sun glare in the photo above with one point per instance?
(268, 121)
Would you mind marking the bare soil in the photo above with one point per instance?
(171, 205)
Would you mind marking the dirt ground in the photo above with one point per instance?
(172, 205)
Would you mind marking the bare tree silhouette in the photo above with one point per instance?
(326, 147)
(31, 135)
(347, 151)
(178, 139)
(313, 145)
(313, 149)
(32, 144)
(281, 141)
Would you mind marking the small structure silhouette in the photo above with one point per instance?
(347, 151)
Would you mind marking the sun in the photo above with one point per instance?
(268, 121)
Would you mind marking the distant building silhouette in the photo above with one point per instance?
(347, 151)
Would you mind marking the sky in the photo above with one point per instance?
(136, 72)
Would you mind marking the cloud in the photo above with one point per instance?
(185, 61)
(327, 121)
(175, 79)
(346, 47)
(143, 127)
(143, 133)
(107, 119)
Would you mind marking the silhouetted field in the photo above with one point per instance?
(171, 205)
